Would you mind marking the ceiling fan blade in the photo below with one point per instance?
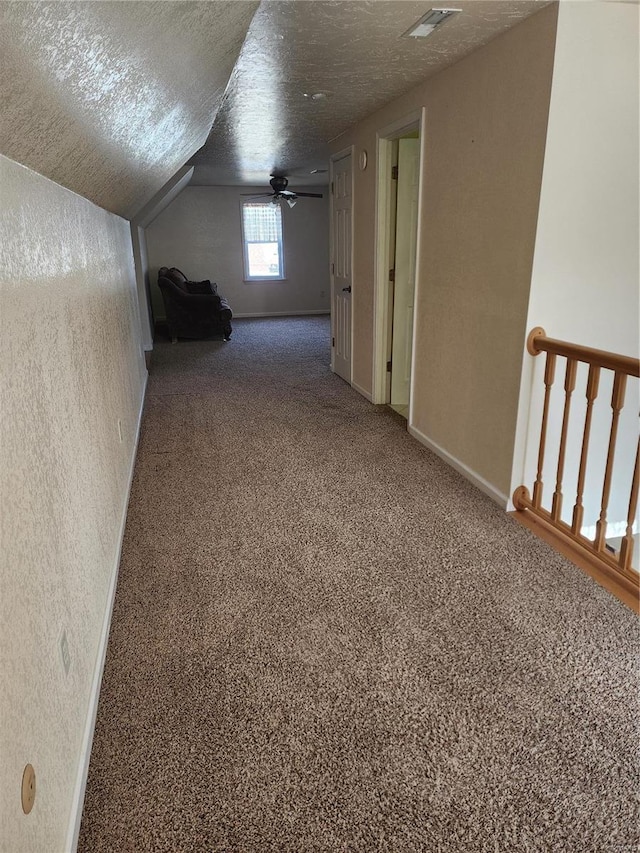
(287, 193)
(309, 195)
(259, 195)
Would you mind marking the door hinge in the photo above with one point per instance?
(392, 275)
(331, 187)
(333, 269)
(333, 342)
(394, 173)
(388, 367)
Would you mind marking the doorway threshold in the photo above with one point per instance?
(401, 410)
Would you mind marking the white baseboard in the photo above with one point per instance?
(361, 390)
(75, 817)
(279, 314)
(478, 481)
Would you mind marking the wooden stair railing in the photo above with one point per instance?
(613, 570)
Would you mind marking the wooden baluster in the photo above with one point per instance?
(592, 392)
(549, 375)
(626, 549)
(569, 385)
(617, 402)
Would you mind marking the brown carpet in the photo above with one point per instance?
(324, 639)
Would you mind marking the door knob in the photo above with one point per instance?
(346, 289)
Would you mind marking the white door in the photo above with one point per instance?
(341, 266)
(405, 270)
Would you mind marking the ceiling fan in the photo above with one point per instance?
(280, 192)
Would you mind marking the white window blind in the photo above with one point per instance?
(262, 223)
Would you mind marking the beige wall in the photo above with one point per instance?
(200, 233)
(72, 366)
(486, 121)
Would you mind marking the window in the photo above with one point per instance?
(262, 241)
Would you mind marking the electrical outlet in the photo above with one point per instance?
(65, 654)
(120, 429)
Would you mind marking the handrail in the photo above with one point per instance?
(623, 367)
(538, 342)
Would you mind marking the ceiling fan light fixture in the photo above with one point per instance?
(280, 192)
(428, 22)
(315, 96)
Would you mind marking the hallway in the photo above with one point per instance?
(324, 639)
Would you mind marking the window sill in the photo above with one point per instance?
(261, 280)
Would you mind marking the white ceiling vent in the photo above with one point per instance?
(427, 23)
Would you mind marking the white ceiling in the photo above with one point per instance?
(354, 52)
(111, 99)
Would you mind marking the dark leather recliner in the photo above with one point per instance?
(194, 309)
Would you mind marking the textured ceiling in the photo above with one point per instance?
(354, 52)
(110, 99)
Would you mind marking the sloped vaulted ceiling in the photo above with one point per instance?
(110, 99)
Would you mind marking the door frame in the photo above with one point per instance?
(339, 155)
(385, 137)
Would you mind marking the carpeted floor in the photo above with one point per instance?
(324, 639)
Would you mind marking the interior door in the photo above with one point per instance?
(341, 265)
(405, 270)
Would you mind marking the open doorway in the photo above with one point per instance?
(399, 174)
(402, 283)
